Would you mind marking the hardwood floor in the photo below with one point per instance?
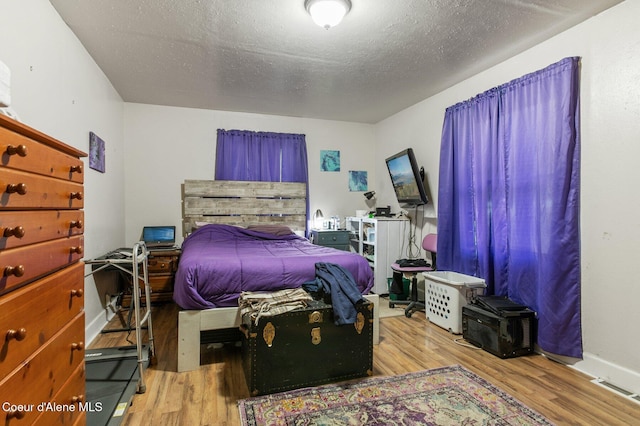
(209, 395)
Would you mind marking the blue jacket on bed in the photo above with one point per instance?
(339, 283)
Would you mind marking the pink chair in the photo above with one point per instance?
(430, 244)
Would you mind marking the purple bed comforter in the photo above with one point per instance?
(220, 261)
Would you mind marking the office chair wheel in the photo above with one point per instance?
(408, 314)
(392, 305)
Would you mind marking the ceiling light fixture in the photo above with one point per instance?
(327, 13)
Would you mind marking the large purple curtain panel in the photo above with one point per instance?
(509, 197)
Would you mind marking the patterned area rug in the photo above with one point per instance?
(442, 396)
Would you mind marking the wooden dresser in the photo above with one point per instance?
(162, 265)
(42, 372)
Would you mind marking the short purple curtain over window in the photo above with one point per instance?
(509, 197)
(262, 156)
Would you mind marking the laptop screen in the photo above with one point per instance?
(159, 235)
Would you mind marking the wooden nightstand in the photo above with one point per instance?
(338, 239)
(162, 267)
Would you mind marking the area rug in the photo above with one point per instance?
(442, 396)
(385, 311)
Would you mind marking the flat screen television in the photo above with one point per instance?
(407, 178)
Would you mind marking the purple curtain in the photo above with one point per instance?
(262, 156)
(509, 197)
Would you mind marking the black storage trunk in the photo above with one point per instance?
(305, 348)
(506, 336)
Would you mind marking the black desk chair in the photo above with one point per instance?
(430, 244)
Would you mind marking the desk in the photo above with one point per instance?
(132, 264)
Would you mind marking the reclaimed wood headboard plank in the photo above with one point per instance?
(243, 203)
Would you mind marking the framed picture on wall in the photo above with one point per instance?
(329, 161)
(96, 152)
(358, 181)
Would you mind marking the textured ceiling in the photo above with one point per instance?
(267, 56)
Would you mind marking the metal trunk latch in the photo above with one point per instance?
(359, 324)
(315, 317)
(269, 333)
(316, 338)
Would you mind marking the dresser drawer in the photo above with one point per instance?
(22, 153)
(23, 264)
(331, 238)
(28, 227)
(35, 313)
(28, 191)
(72, 394)
(162, 264)
(161, 283)
(44, 374)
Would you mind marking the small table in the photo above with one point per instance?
(335, 238)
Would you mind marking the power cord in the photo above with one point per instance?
(466, 345)
(412, 241)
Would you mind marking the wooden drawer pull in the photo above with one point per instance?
(75, 224)
(77, 250)
(77, 346)
(17, 414)
(77, 195)
(17, 232)
(17, 271)
(76, 169)
(77, 293)
(21, 150)
(19, 334)
(77, 398)
(17, 188)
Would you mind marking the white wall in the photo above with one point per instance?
(609, 45)
(165, 146)
(58, 89)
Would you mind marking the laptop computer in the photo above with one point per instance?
(159, 237)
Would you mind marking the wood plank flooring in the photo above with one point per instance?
(209, 395)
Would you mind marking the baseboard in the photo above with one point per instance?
(616, 375)
(93, 327)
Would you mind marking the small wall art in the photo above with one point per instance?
(358, 181)
(329, 161)
(96, 152)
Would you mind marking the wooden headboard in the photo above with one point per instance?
(243, 203)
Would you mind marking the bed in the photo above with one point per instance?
(238, 237)
(219, 261)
